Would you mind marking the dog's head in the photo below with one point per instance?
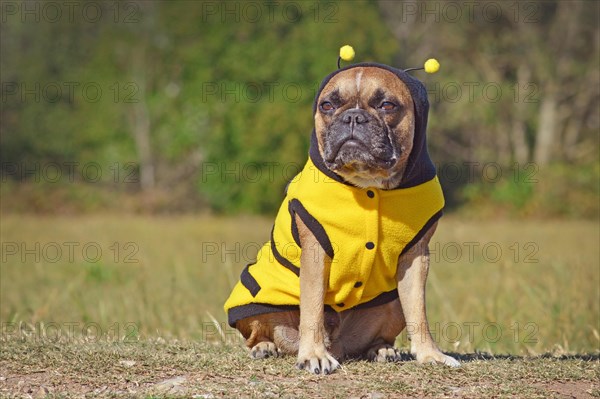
(369, 123)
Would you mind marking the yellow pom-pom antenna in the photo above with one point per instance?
(431, 65)
(346, 53)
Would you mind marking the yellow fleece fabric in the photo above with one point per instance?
(367, 230)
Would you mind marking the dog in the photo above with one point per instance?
(345, 269)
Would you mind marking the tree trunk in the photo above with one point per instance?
(140, 121)
(519, 142)
(141, 134)
(546, 134)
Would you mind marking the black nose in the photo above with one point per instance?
(355, 116)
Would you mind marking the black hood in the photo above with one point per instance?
(420, 168)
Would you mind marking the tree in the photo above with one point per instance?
(533, 67)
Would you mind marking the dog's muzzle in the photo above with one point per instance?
(359, 137)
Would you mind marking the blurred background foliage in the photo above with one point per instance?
(188, 106)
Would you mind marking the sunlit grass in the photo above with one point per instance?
(518, 287)
(499, 286)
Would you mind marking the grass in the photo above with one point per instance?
(155, 368)
(81, 297)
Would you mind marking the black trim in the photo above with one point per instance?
(279, 258)
(255, 309)
(296, 207)
(249, 281)
(423, 230)
(380, 299)
(294, 226)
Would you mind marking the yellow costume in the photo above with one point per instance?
(363, 232)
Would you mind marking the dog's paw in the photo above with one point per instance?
(383, 353)
(435, 357)
(317, 361)
(263, 350)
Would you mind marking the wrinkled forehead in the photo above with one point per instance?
(364, 82)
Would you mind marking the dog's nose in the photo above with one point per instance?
(355, 116)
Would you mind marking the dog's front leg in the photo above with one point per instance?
(314, 276)
(413, 267)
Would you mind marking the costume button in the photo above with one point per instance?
(341, 305)
(370, 245)
(358, 284)
(370, 194)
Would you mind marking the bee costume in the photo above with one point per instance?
(362, 231)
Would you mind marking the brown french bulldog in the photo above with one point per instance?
(345, 270)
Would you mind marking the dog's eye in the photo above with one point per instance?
(326, 106)
(387, 106)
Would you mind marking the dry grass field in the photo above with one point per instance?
(132, 306)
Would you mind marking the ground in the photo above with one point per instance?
(132, 306)
(201, 370)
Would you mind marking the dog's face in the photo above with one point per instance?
(365, 126)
